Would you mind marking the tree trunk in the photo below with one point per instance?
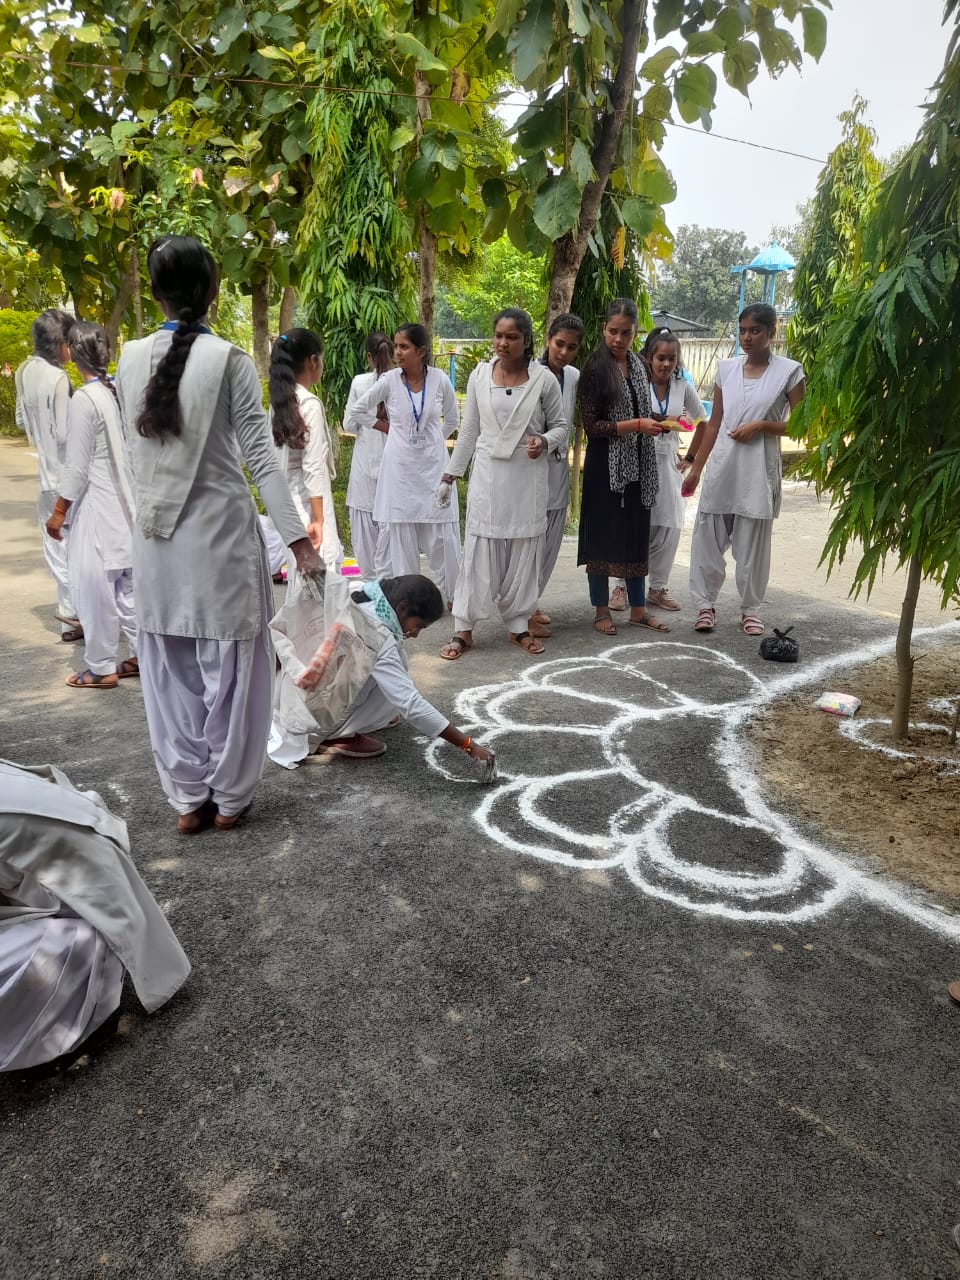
(956, 724)
(428, 264)
(137, 296)
(129, 287)
(260, 315)
(905, 659)
(288, 304)
(568, 251)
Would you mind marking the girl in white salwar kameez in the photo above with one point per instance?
(95, 510)
(370, 439)
(422, 412)
(513, 418)
(300, 430)
(43, 397)
(673, 398)
(193, 412)
(74, 916)
(741, 493)
(563, 342)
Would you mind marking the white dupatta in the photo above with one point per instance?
(745, 478)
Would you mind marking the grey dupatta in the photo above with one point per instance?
(633, 458)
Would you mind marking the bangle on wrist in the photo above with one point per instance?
(689, 457)
(466, 744)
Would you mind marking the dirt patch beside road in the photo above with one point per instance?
(905, 813)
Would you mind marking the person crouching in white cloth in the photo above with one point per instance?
(741, 493)
(422, 412)
(370, 439)
(400, 608)
(193, 411)
(74, 916)
(513, 419)
(43, 396)
(564, 338)
(95, 508)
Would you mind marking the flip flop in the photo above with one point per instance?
(543, 618)
(72, 636)
(653, 624)
(191, 824)
(751, 625)
(227, 821)
(605, 625)
(538, 630)
(706, 620)
(87, 680)
(127, 669)
(459, 647)
(532, 645)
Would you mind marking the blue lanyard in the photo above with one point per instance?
(662, 405)
(175, 324)
(423, 397)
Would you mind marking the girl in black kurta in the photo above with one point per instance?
(620, 469)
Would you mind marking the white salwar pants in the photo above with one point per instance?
(749, 540)
(104, 600)
(365, 535)
(402, 544)
(59, 981)
(552, 542)
(663, 551)
(501, 571)
(209, 704)
(55, 554)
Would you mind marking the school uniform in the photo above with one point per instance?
(414, 461)
(742, 485)
(99, 526)
(204, 595)
(368, 447)
(74, 916)
(310, 473)
(667, 513)
(43, 395)
(558, 483)
(507, 498)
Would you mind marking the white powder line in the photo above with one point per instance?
(808, 879)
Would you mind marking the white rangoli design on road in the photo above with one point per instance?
(636, 769)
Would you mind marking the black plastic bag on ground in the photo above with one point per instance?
(780, 647)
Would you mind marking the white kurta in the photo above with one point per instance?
(204, 592)
(74, 914)
(558, 487)
(745, 479)
(99, 527)
(415, 455)
(43, 396)
(310, 473)
(367, 449)
(507, 497)
(682, 401)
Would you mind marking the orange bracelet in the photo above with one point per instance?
(465, 745)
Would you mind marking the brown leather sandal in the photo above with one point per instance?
(605, 624)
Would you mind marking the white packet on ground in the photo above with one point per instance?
(838, 704)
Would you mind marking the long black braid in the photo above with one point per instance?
(290, 353)
(183, 274)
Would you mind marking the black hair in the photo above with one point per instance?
(290, 353)
(418, 337)
(763, 313)
(600, 376)
(184, 275)
(421, 596)
(565, 321)
(653, 340)
(523, 323)
(380, 350)
(49, 332)
(90, 350)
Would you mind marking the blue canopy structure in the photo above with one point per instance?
(768, 263)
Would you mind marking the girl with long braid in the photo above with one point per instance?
(370, 430)
(193, 413)
(300, 430)
(95, 505)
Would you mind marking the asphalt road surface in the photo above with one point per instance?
(616, 1017)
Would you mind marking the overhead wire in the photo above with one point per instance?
(493, 99)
